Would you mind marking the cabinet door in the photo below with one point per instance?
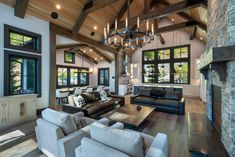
(2, 114)
(30, 108)
(13, 109)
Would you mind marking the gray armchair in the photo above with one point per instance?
(58, 135)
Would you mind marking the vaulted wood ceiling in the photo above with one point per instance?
(72, 9)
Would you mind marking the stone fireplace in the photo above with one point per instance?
(218, 66)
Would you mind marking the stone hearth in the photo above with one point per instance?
(221, 33)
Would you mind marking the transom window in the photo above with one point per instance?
(167, 65)
(69, 57)
(19, 39)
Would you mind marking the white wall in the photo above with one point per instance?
(197, 48)
(79, 62)
(32, 24)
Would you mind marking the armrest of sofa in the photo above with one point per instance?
(159, 147)
(68, 144)
(120, 97)
(133, 97)
(98, 149)
(73, 109)
(44, 131)
(182, 106)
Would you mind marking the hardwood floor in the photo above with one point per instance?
(173, 125)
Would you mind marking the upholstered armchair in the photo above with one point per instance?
(59, 133)
(112, 142)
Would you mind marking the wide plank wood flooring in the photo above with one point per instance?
(173, 125)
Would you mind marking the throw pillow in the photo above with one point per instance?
(60, 119)
(79, 101)
(108, 92)
(79, 121)
(89, 97)
(103, 95)
(128, 142)
(172, 96)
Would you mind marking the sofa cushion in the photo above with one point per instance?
(166, 103)
(92, 148)
(124, 141)
(79, 101)
(89, 97)
(143, 99)
(71, 100)
(145, 92)
(172, 96)
(62, 120)
(158, 92)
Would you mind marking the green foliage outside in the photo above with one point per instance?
(149, 56)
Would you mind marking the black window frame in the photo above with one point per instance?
(38, 72)
(8, 29)
(68, 78)
(73, 57)
(106, 83)
(171, 61)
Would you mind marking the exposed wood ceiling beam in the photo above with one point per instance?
(21, 7)
(177, 27)
(101, 55)
(85, 56)
(194, 33)
(90, 6)
(66, 46)
(156, 26)
(184, 15)
(162, 12)
(120, 14)
(80, 38)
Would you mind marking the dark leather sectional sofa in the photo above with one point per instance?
(94, 106)
(164, 99)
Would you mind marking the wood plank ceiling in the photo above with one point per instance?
(71, 9)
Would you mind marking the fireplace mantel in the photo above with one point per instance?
(216, 59)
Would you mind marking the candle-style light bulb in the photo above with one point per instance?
(105, 35)
(115, 40)
(122, 41)
(152, 30)
(147, 25)
(137, 41)
(115, 24)
(126, 23)
(138, 23)
(107, 28)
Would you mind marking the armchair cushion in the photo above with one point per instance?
(98, 149)
(63, 120)
(126, 142)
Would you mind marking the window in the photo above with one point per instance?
(68, 76)
(69, 57)
(22, 73)
(103, 76)
(73, 76)
(19, 39)
(62, 76)
(171, 65)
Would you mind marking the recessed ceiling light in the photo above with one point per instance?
(95, 58)
(84, 51)
(101, 58)
(58, 6)
(54, 15)
(172, 19)
(90, 50)
(201, 38)
(95, 27)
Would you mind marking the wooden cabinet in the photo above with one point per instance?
(17, 109)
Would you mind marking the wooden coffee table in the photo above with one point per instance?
(129, 115)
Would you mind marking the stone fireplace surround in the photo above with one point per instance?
(218, 65)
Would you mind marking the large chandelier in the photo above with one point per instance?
(129, 37)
